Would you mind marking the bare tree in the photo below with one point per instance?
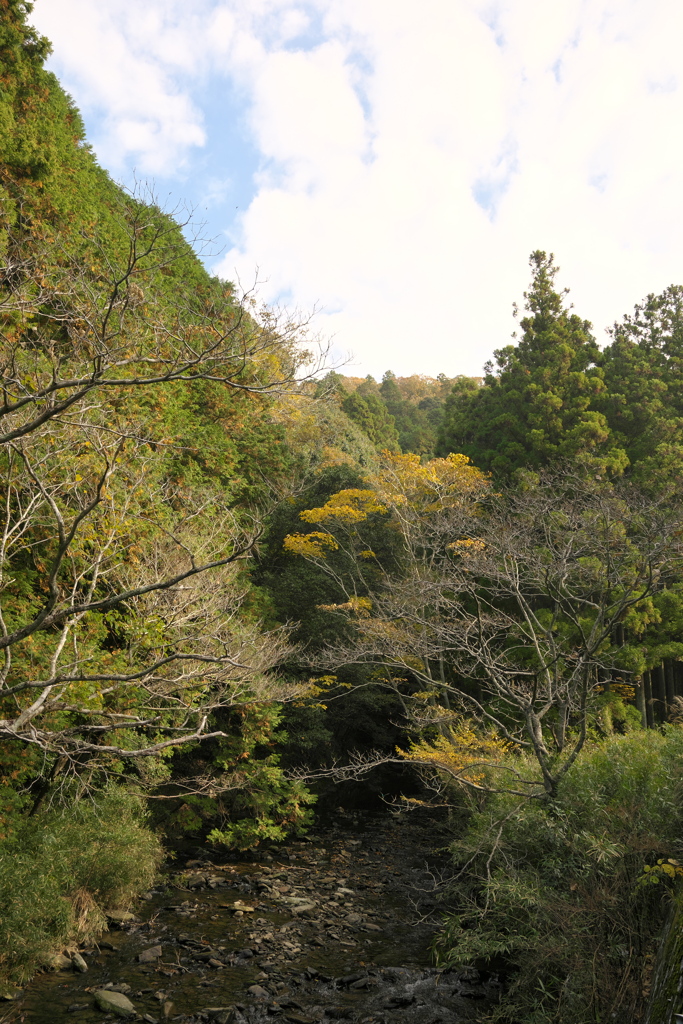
(508, 606)
(97, 319)
(121, 625)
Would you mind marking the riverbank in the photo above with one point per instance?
(337, 926)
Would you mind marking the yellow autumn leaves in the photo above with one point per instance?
(402, 484)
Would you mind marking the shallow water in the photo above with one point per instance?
(364, 942)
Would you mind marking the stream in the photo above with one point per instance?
(333, 927)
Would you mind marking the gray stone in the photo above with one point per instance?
(304, 909)
(114, 1002)
(148, 955)
(220, 1014)
(120, 916)
(258, 992)
(60, 962)
(240, 907)
(79, 963)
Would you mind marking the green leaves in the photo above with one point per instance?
(538, 407)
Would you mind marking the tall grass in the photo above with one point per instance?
(59, 872)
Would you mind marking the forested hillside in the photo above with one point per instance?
(233, 578)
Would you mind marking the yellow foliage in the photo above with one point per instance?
(404, 482)
(359, 605)
(312, 545)
(348, 506)
(405, 479)
(466, 547)
(322, 684)
(331, 456)
(668, 870)
(464, 754)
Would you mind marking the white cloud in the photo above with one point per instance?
(412, 157)
(131, 65)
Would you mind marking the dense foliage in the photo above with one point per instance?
(561, 895)
(223, 573)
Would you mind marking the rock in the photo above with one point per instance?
(220, 1014)
(195, 881)
(366, 982)
(149, 955)
(61, 962)
(304, 909)
(79, 963)
(238, 907)
(114, 1002)
(258, 992)
(370, 927)
(353, 919)
(120, 916)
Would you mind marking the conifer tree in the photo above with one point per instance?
(643, 373)
(538, 405)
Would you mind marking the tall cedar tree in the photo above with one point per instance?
(643, 400)
(537, 407)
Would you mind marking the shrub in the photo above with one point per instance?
(59, 872)
(549, 889)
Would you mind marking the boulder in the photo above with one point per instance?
(114, 1002)
(305, 909)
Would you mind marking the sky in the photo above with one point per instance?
(392, 165)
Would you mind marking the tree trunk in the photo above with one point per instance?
(659, 694)
(649, 710)
(640, 701)
(670, 685)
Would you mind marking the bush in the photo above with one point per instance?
(550, 890)
(59, 872)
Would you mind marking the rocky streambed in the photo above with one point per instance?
(335, 927)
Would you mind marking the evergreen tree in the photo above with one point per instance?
(415, 433)
(643, 372)
(372, 416)
(538, 405)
